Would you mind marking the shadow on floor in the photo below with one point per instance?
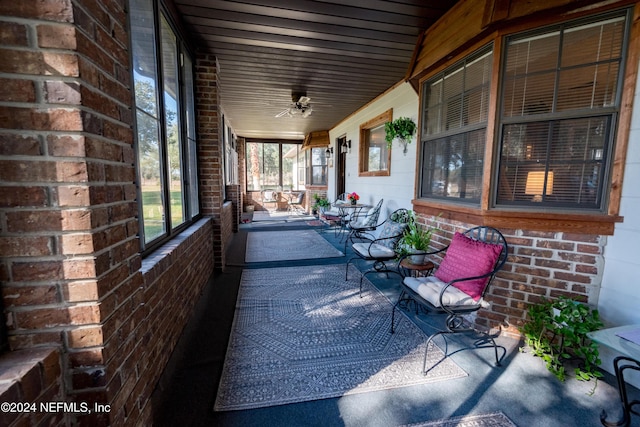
(522, 388)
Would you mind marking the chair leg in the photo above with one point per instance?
(494, 345)
(346, 273)
(395, 306)
(495, 349)
(426, 350)
(443, 333)
(362, 277)
(393, 317)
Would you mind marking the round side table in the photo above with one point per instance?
(417, 270)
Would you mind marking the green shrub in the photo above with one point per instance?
(557, 332)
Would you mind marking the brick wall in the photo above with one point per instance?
(31, 376)
(71, 273)
(68, 208)
(227, 218)
(173, 280)
(210, 149)
(234, 195)
(540, 265)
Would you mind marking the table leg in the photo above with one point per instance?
(620, 364)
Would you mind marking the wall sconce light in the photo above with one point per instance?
(345, 147)
(329, 155)
(535, 185)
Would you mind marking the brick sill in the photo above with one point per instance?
(171, 248)
(27, 374)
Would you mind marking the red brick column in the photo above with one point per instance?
(235, 196)
(210, 149)
(70, 268)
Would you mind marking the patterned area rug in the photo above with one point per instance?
(287, 245)
(280, 216)
(497, 419)
(303, 333)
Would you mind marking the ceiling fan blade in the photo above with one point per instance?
(284, 113)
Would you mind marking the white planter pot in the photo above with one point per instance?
(417, 259)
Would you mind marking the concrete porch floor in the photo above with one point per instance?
(521, 388)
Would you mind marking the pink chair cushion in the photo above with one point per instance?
(466, 257)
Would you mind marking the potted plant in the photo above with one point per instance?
(319, 204)
(415, 241)
(556, 331)
(403, 129)
(353, 197)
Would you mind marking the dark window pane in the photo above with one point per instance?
(456, 104)
(452, 167)
(559, 163)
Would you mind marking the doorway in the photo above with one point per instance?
(341, 165)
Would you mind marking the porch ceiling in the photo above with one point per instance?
(340, 53)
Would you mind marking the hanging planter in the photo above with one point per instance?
(401, 129)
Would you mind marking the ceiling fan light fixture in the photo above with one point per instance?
(300, 105)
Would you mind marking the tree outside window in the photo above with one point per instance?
(274, 166)
(165, 142)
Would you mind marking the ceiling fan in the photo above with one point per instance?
(300, 106)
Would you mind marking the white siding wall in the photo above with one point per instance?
(397, 190)
(619, 301)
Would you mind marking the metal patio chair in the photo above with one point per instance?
(295, 202)
(335, 215)
(459, 284)
(381, 245)
(361, 225)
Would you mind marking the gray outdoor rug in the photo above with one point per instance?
(303, 333)
(288, 245)
(497, 419)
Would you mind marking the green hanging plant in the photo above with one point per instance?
(557, 332)
(402, 128)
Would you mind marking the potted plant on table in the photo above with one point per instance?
(403, 129)
(353, 197)
(415, 241)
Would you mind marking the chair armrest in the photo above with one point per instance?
(464, 279)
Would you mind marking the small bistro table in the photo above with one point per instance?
(416, 270)
(629, 359)
(344, 207)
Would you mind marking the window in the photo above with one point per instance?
(165, 124)
(230, 156)
(455, 106)
(274, 166)
(375, 156)
(317, 174)
(560, 101)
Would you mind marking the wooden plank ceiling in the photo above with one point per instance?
(340, 53)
